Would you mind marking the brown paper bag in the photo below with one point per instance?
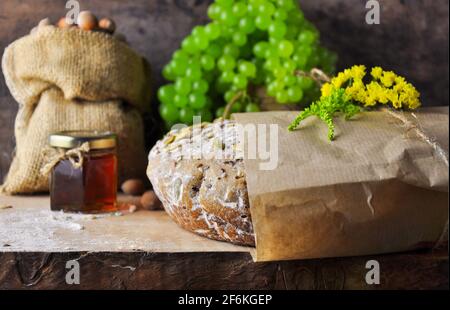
(381, 186)
(74, 80)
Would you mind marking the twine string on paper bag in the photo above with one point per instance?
(53, 156)
(316, 75)
(442, 154)
(419, 132)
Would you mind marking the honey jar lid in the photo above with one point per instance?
(72, 139)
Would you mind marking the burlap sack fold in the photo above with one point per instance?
(74, 80)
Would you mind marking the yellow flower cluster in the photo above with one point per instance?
(386, 87)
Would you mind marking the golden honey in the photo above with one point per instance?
(86, 179)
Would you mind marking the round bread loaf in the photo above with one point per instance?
(200, 179)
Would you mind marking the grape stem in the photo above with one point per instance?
(315, 74)
(236, 97)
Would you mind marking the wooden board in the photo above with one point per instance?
(411, 39)
(30, 226)
(107, 270)
(146, 250)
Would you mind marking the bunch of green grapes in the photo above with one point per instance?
(247, 43)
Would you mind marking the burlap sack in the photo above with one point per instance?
(74, 80)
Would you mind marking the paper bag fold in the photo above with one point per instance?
(381, 186)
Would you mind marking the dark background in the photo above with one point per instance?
(412, 38)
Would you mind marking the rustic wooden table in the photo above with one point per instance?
(412, 39)
(146, 250)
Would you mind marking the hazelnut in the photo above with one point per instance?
(107, 24)
(87, 21)
(62, 23)
(150, 201)
(134, 187)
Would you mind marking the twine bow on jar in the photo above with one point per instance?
(52, 156)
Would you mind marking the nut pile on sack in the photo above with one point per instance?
(86, 21)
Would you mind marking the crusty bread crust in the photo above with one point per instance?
(204, 194)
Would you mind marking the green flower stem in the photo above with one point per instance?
(326, 108)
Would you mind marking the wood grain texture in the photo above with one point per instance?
(412, 39)
(142, 270)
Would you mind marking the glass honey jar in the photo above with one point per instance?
(84, 176)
